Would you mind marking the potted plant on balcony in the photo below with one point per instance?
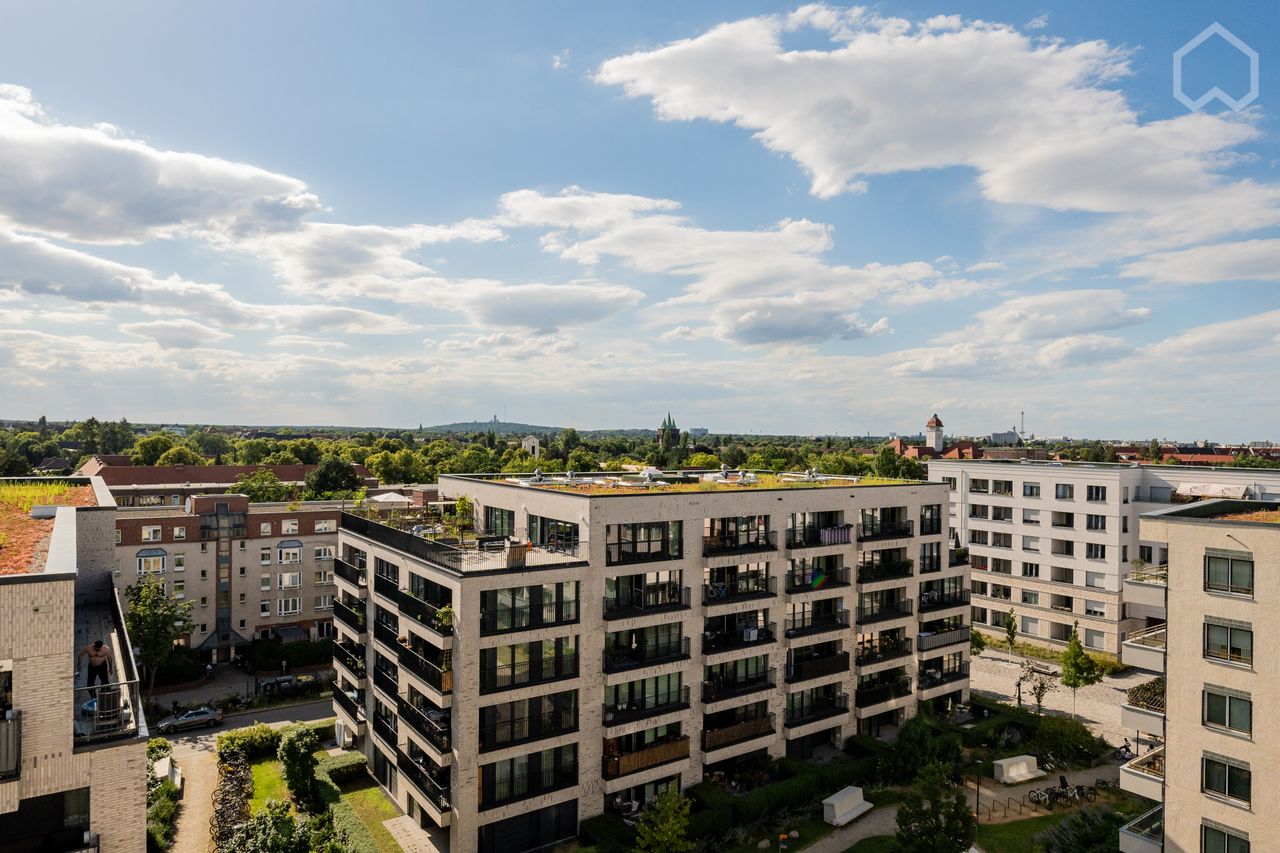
(444, 618)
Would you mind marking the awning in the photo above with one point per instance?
(290, 543)
(390, 498)
(153, 552)
(1211, 490)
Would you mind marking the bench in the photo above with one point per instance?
(844, 806)
(1019, 768)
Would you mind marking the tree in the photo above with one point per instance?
(271, 830)
(1079, 669)
(1153, 450)
(933, 819)
(180, 455)
(331, 478)
(281, 457)
(464, 512)
(704, 460)
(1091, 830)
(210, 444)
(1041, 685)
(1010, 629)
(296, 752)
(147, 450)
(155, 622)
(977, 642)
(664, 825)
(581, 459)
(263, 486)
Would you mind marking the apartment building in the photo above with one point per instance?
(73, 763)
(1053, 541)
(171, 485)
(249, 569)
(1205, 715)
(608, 636)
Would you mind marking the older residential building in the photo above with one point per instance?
(1053, 541)
(171, 485)
(1204, 720)
(608, 636)
(249, 569)
(73, 762)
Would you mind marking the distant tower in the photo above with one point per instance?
(933, 434)
(532, 446)
(668, 434)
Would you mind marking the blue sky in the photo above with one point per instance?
(768, 217)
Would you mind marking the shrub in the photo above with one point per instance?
(863, 746)
(265, 655)
(183, 666)
(343, 768)
(709, 823)
(262, 741)
(1091, 830)
(1068, 740)
(162, 816)
(346, 822)
(921, 741)
(608, 832)
(298, 762)
(158, 748)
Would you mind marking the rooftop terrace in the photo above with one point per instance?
(25, 529)
(655, 481)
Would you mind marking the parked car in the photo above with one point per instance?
(193, 719)
(285, 685)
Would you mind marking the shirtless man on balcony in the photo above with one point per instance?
(99, 654)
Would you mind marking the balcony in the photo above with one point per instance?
(388, 588)
(351, 656)
(1145, 649)
(931, 601)
(11, 745)
(352, 705)
(630, 603)
(1143, 710)
(524, 786)
(385, 729)
(350, 574)
(440, 679)
(878, 694)
(927, 642)
(513, 675)
(1147, 586)
(429, 616)
(426, 780)
(817, 667)
(738, 733)
(719, 690)
(676, 749)
(387, 636)
(387, 681)
(722, 546)
(892, 610)
(1144, 775)
(1144, 834)
(817, 579)
(739, 589)
(813, 536)
(431, 724)
(870, 531)
(106, 712)
(931, 678)
(823, 709)
(881, 652)
(714, 642)
(353, 619)
(958, 557)
(622, 659)
(646, 706)
(809, 624)
(893, 570)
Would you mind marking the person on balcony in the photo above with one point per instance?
(99, 655)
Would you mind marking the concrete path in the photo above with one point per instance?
(880, 821)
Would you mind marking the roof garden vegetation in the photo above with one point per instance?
(24, 540)
(676, 482)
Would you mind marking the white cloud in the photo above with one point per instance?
(560, 61)
(1039, 22)
(1056, 314)
(175, 334)
(985, 266)
(335, 318)
(1249, 260)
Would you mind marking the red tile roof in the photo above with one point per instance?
(164, 475)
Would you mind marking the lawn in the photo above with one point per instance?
(268, 784)
(373, 807)
(874, 844)
(1016, 836)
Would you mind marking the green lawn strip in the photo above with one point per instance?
(874, 844)
(1015, 836)
(268, 784)
(372, 807)
(810, 829)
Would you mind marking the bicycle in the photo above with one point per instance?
(1101, 784)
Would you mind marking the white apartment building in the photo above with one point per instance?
(1053, 541)
(612, 635)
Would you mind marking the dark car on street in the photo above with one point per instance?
(193, 719)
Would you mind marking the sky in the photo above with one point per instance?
(763, 217)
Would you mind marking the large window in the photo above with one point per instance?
(1228, 574)
(1096, 493)
(1228, 709)
(1226, 777)
(553, 533)
(528, 606)
(1030, 490)
(499, 521)
(528, 663)
(1214, 839)
(643, 542)
(1064, 492)
(1228, 642)
(528, 775)
(528, 719)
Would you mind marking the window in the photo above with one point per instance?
(1002, 487)
(244, 544)
(1031, 516)
(326, 525)
(290, 555)
(290, 580)
(204, 627)
(1094, 639)
(289, 606)
(179, 589)
(289, 525)
(264, 529)
(265, 557)
(1095, 551)
(323, 577)
(1094, 608)
(1231, 642)
(1002, 513)
(242, 571)
(117, 536)
(204, 547)
(324, 602)
(204, 574)
(1226, 777)
(977, 537)
(1031, 543)
(242, 598)
(151, 565)
(264, 608)
(978, 511)
(179, 562)
(151, 533)
(1097, 580)
(242, 624)
(1095, 493)
(1095, 522)
(1030, 626)
(1001, 540)
(1214, 839)
(1031, 570)
(1144, 554)
(1030, 597)
(324, 552)
(1228, 709)
(1124, 524)
(204, 601)
(1064, 492)
(979, 486)
(264, 582)
(1031, 490)
(179, 533)
(1228, 574)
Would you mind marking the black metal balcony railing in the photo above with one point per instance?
(810, 623)
(738, 732)
(349, 573)
(721, 545)
(719, 689)
(522, 674)
(616, 554)
(553, 723)
(815, 536)
(872, 530)
(930, 600)
(931, 678)
(11, 745)
(436, 791)
(106, 712)
(881, 652)
(930, 526)
(891, 570)
(640, 602)
(892, 610)
(739, 589)
(388, 636)
(877, 694)
(353, 705)
(646, 706)
(522, 786)
(815, 580)
(675, 749)
(433, 726)
(818, 667)
(350, 655)
(621, 659)
(830, 706)
(958, 557)
(387, 681)
(432, 674)
(385, 729)
(425, 613)
(353, 619)
(388, 588)
(929, 642)
(727, 639)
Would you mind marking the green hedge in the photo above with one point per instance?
(343, 768)
(802, 783)
(184, 666)
(162, 816)
(265, 655)
(345, 819)
(608, 833)
(262, 741)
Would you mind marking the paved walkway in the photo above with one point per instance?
(880, 821)
(413, 838)
(995, 797)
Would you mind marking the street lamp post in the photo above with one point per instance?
(977, 790)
